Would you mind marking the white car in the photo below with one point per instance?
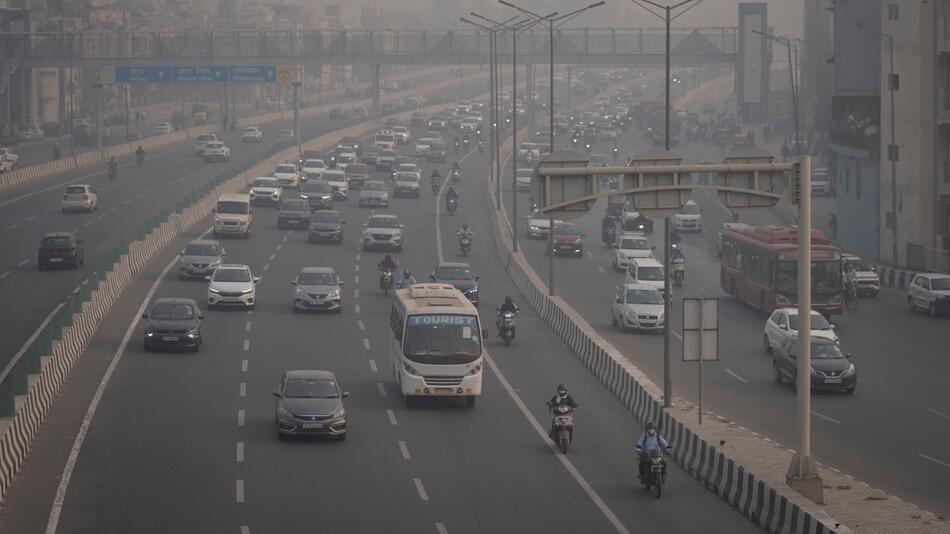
(930, 291)
(287, 175)
(338, 184)
(783, 325)
(469, 124)
(344, 159)
(422, 147)
(203, 140)
(820, 182)
(539, 225)
(646, 271)
(637, 306)
(312, 167)
(374, 193)
(232, 285)
(252, 134)
(80, 197)
(8, 156)
(523, 178)
(216, 151)
(266, 190)
(163, 128)
(529, 151)
(869, 282)
(32, 133)
(689, 218)
(402, 134)
(382, 231)
(628, 246)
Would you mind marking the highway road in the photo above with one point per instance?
(892, 433)
(185, 442)
(137, 195)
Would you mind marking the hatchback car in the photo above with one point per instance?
(312, 167)
(173, 323)
(60, 248)
(326, 225)
(317, 288)
(265, 190)
(382, 231)
(783, 324)
(567, 239)
(630, 245)
(929, 291)
(637, 306)
(232, 285)
(523, 179)
(459, 275)
(318, 194)
(374, 194)
(830, 367)
(385, 159)
(79, 197)
(538, 225)
(310, 403)
(293, 213)
(689, 218)
(201, 141)
(216, 151)
(252, 134)
(200, 258)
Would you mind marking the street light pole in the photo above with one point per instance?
(793, 86)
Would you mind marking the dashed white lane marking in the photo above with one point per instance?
(392, 417)
(272, 256)
(440, 528)
(289, 232)
(361, 326)
(240, 451)
(245, 529)
(365, 343)
(825, 417)
(420, 489)
(356, 279)
(934, 460)
(278, 247)
(239, 491)
(677, 334)
(870, 340)
(381, 388)
(243, 389)
(247, 326)
(243, 366)
(114, 209)
(240, 417)
(102, 216)
(356, 268)
(247, 344)
(266, 267)
(24, 262)
(4, 275)
(404, 450)
(733, 374)
(372, 365)
(283, 239)
(48, 210)
(87, 223)
(356, 293)
(357, 308)
(601, 269)
(938, 414)
(13, 226)
(30, 218)
(590, 254)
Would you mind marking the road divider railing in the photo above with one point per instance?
(27, 175)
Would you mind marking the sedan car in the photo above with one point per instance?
(385, 159)
(200, 258)
(252, 134)
(460, 276)
(287, 175)
(79, 197)
(317, 288)
(567, 239)
(232, 285)
(326, 225)
(374, 194)
(523, 179)
(60, 248)
(173, 323)
(265, 190)
(310, 403)
(637, 306)
(285, 136)
(318, 194)
(783, 324)
(293, 213)
(382, 231)
(830, 368)
(929, 291)
(406, 184)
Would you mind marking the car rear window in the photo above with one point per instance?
(75, 190)
(56, 241)
(286, 168)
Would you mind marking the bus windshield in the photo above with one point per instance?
(825, 277)
(442, 339)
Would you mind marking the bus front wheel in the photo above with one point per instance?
(470, 400)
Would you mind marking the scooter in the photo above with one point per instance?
(610, 236)
(452, 205)
(465, 244)
(436, 185)
(563, 424)
(386, 282)
(506, 327)
(456, 175)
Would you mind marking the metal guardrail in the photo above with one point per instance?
(927, 259)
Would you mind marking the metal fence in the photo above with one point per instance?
(927, 259)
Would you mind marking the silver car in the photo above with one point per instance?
(374, 194)
(310, 403)
(200, 258)
(382, 231)
(317, 289)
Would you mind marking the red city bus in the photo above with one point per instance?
(759, 266)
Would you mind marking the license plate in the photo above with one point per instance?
(313, 425)
(326, 234)
(169, 338)
(832, 381)
(443, 391)
(55, 260)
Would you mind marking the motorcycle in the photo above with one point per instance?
(457, 147)
(452, 205)
(506, 327)
(465, 143)
(563, 426)
(456, 175)
(386, 281)
(588, 147)
(679, 271)
(655, 472)
(465, 244)
(574, 142)
(436, 184)
(609, 236)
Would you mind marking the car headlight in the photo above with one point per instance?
(814, 371)
(850, 370)
(284, 411)
(409, 369)
(193, 333)
(213, 290)
(836, 301)
(246, 291)
(578, 241)
(300, 293)
(472, 291)
(335, 294)
(149, 333)
(304, 196)
(215, 263)
(339, 414)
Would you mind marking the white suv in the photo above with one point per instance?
(930, 291)
(338, 184)
(382, 231)
(252, 134)
(689, 218)
(869, 282)
(203, 140)
(232, 285)
(216, 151)
(287, 175)
(80, 197)
(628, 246)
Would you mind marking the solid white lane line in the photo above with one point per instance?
(404, 450)
(240, 417)
(934, 460)
(381, 388)
(240, 451)
(356, 279)
(272, 256)
(361, 325)
(365, 343)
(392, 417)
(357, 308)
(243, 389)
(239, 491)
(565, 462)
(938, 414)
(24, 262)
(267, 266)
(826, 418)
(440, 528)
(247, 344)
(372, 365)
(420, 489)
(247, 326)
(356, 293)
(733, 374)
(4, 275)
(243, 366)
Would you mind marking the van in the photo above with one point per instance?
(385, 141)
(233, 215)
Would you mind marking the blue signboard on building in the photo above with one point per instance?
(206, 74)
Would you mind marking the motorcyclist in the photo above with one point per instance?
(481, 146)
(649, 442)
(451, 195)
(677, 254)
(606, 225)
(559, 398)
(113, 166)
(139, 154)
(407, 279)
(466, 140)
(508, 306)
(465, 231)
(387, 264)
(435, 176)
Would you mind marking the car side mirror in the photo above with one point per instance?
(182, 253)
(619, 300)
(342, 222)
(432, 276)
(213, 210)
(201, 315)
(477, 278)
(293, 282)
(340, 282)
(144, 316)
(364, 225)
(615, 245)
(208, 278)
(257, 279)
(276, 394)
(346, 394)
(653, 247)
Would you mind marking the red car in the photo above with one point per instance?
(568, 239)
(357, 174)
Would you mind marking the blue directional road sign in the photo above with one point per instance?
(143, 74)
(211, 74)
(259, 74)
(207, 74)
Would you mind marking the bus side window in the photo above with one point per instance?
(397, 325)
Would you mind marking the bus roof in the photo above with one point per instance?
(777, 236)
(434, 298)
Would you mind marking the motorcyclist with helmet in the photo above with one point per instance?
(649, 442)
(560, 398)
(451, 195)
(505, 307)
(407, 279)
(388, 264)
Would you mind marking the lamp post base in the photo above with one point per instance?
(803, 477)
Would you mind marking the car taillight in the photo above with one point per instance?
(85, 197)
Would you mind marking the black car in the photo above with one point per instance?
(173, 323)
(369, 154)
(318, 193)
(326, 225)
(60, 248)
(831, 369)
(459, 275)
(293, 213)
(437, 152)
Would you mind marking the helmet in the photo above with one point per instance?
(465, 227)
(509, 300)
(561, 390)
(406, 273)
(388, 257)
(651, 427)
